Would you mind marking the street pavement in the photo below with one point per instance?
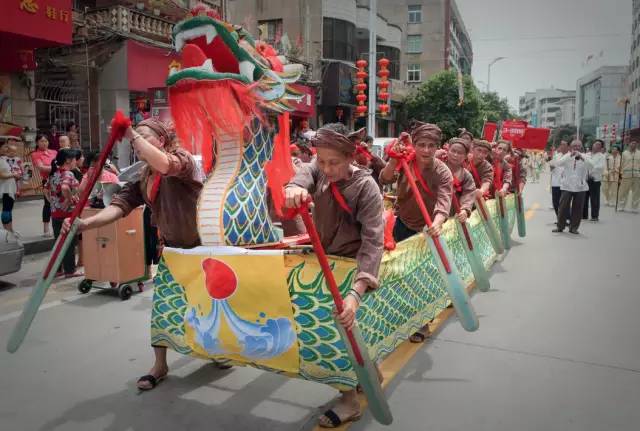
(557, 349)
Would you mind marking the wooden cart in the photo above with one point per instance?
(114, 254)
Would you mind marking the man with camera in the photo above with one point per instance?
(573, 184)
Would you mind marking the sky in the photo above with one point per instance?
(546, 42)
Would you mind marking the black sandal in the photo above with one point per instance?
(221, 365)
(417, 338)
(151, 379)
(335, 420)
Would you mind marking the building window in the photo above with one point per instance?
(414, 43)
(414, 73)
(271, 31)
(415, 14)
(338, 39)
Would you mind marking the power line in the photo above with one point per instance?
(580, 36)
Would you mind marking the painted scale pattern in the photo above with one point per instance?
(246, 215)
(411, 293)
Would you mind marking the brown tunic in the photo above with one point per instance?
(174, 209)
(467, 196)
(439, 180)
(485, 173)
(507, 177)
(359, 235)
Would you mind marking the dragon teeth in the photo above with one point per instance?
(246, 69)
(210, 33)
(207, 65)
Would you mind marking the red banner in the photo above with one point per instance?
(489, 131)
(513, 130)
(535, 138)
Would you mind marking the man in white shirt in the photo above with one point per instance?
(556, 173)
(573, 184)
(597, 160)
(630, 181)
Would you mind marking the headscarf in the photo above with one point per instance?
(358, 135)
(464, 132)
(158, 127)
(327, 138)
(460, 141)
(482, 143)
(421, 131)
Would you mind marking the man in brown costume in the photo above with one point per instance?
(434, 181)
(347, 213)
(480, 168)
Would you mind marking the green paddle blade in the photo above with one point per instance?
(479, 272)
(37, 294)
(368, 378)
(522, 226)
(455, 288)
(491, 229)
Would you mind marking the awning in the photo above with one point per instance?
(306, 107)
(26, 25)
(147, 66)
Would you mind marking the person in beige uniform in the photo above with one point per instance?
(630, 182)
(611, 176)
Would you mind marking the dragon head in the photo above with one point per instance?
(226, 79)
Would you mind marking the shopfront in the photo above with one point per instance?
(26, 25)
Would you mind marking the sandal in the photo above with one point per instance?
(221, 365)
(154, 381)
(334, 420)
(417, 337)
(75, 274)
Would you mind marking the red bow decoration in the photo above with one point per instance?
(457, 185)
(361, 149)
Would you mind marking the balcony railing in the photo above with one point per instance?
(126, 20)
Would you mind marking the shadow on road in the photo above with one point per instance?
(190, 402)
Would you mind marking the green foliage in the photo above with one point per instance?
(436, 101)
(495, 109)
(560, 133)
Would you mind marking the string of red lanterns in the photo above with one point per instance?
(383, 86)
(361, 87)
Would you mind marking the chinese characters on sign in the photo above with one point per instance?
(53, 13)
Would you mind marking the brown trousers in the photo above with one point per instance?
(570, 202)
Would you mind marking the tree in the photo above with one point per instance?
(561, 133)
(436, 101)
(495, 109)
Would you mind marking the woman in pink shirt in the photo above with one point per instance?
(41, 159)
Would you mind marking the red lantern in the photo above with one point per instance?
(360, 87)
(383, 85)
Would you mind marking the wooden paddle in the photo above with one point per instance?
(119, 125)
(455, 286)
(362, 365)
(477, 266)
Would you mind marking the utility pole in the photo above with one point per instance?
(371, 123)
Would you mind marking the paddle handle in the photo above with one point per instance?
(425, 213)
(465, 229)
(328, 275)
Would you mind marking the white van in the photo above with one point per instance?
(378, 146)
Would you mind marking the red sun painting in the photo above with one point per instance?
(220, 279)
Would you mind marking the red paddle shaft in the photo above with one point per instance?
(465, 230)
(328, 275)
(118, 126)
(516, 178)
(425, 213)
(482, 209)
